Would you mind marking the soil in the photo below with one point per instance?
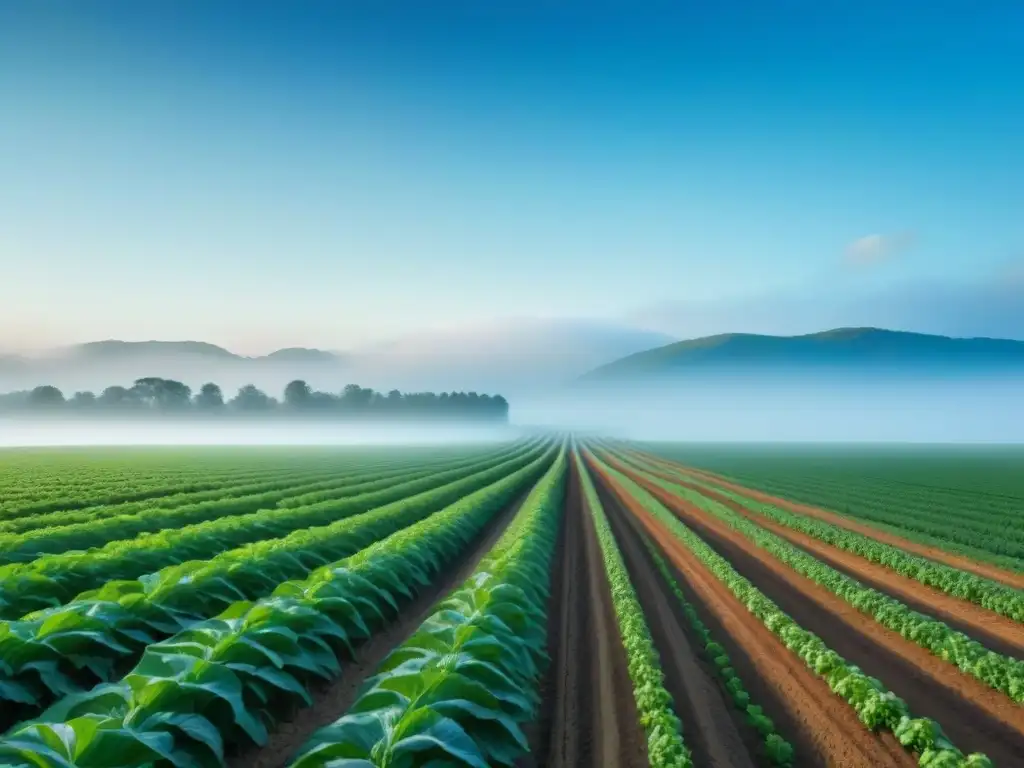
(332, 700)
(589, 715)
(974, 716)
(823, 729)
(985, 570)
(996, 632)
(713, 728)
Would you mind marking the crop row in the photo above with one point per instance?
(778, 751)
(457, 692)
(665, 741)
(228, 679)
(876, 707)
(997, 671)
(981, 550)
(55, 652)
(55, 579)
(97, 532)
(989, 594)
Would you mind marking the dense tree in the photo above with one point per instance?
(83, 400)
(167, 396)
(298, 394)
(249, 398)
(45, 397)
(209, 398)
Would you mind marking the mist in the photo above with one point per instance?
(76, 432)
(987, 410)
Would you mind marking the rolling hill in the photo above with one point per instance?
(842, 351)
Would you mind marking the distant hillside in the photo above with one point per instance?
(843, 350)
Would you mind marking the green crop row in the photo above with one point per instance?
(665, 739)
(456, 693)
(876, 707)
(1003, 673)
(55, 579)
(255, 493)
(228, 679)
(60, 650)
(1001, 599)
(97, 532)
(778, 751)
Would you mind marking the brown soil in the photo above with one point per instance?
(589, 716)
(332, 700)
(996, 632)
(985, 570)
(713, 728)
(824, 730)
(976, 717)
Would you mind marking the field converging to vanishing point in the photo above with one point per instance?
(546, 602)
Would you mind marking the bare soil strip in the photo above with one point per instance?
(824, 730)
(996, 632)
(589, 716)
(933, 553)
(712, 727)
(976, 717)
(332, 700)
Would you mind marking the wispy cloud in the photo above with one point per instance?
(875, 249)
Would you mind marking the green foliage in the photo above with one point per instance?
(876, 707)
(1003, 673)
(54, 579)
(456, 693)
(87, 639)
(665, 745)
(227, 679)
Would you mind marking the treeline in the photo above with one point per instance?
(158, 396)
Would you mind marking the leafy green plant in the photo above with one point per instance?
(876, 707)
(665, 742)
(54, 579)
(1003, 673)
(457, 691)
(226, 680)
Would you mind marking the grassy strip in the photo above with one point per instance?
(876, 707)
(456, 692)
(228, 679)
(665, 741)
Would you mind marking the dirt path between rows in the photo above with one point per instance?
(933, 553)
(976, 717)
(712, 726)
(334, 699)
(589, 716)
(824, 730)
(996, 632)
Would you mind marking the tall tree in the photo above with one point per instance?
(45, 397)
(209, 398)
(298, 394)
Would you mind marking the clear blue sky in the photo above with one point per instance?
(263, 174)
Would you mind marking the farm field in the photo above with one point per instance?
(544, 602)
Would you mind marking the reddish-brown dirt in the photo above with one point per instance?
(332, 700)
(933, 553)
(976, 718)
(824, 730)
(996, 632)
(712, 728)
(589, 715)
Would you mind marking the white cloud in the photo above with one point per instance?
(875, 249)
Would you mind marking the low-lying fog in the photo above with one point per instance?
(926, 412)
(16, 433)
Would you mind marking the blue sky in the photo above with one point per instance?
(266, 174)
